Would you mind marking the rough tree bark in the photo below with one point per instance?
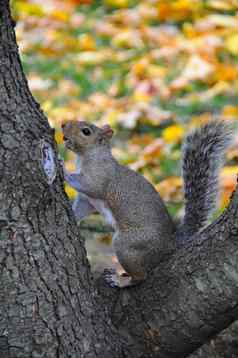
(47, 300)
(225, 345)
(49, 304)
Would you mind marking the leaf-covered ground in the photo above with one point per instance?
(152, 69)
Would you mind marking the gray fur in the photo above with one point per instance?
(203, 156)
(144, 230)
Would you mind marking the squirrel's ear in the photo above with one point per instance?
(107, 131)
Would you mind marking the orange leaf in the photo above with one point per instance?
(170, 188)
(153, 150)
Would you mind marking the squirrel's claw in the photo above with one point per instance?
(110, 277)
(119, 281)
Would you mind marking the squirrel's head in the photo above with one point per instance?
(80, 136)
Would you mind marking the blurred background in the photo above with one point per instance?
(151, 69)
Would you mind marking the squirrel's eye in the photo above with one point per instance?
(86, 131)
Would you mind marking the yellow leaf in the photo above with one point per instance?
(178, 9)
(47, 105)
(59, 137)
(29, 9)
(48, 51)
(231, 44)
(230, 111)
(186, 5)
(173, 134)
(231, 170)
(155, 71)
(189, 30)
(139, 68)
(87, 42)
(111, 117)
(117, 3)
(141, 96)
(70, 192)
(60, 15)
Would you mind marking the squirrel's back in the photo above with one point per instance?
(136, 201)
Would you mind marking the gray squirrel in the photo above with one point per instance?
(145, 234)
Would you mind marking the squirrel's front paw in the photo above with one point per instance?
(111, 277)
(119, 281)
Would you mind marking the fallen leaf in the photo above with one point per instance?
(173, 134)
(72, 193)
(231, 44)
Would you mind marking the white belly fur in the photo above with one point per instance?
(99, 204)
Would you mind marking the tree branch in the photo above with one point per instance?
(48, 304)
(189, 299)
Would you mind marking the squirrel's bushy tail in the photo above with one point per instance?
(203, 156)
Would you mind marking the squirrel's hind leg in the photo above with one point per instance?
(132, 263)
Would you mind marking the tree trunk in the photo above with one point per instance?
(50, 306)
(47, 301)
(225, 345)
